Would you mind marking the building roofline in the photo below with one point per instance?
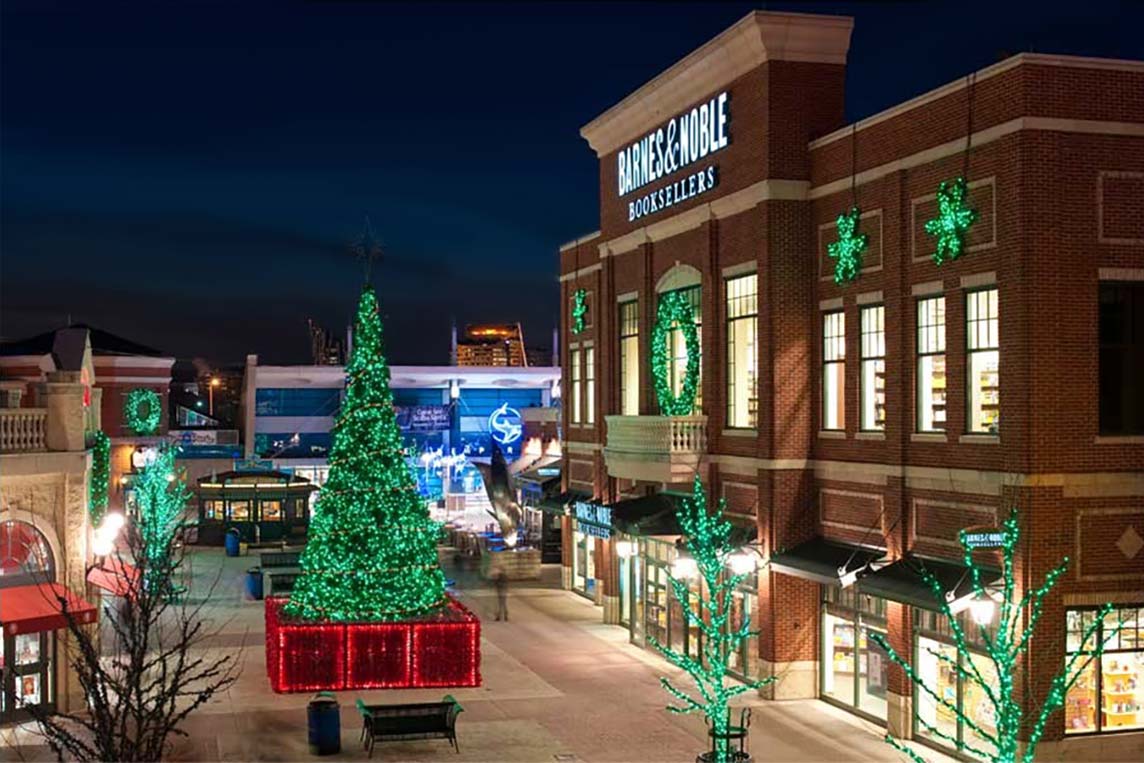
(1036, 59)
(578, 241)
(758, 37)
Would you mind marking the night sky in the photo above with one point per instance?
(191, 176)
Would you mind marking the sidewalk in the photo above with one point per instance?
(558, 686)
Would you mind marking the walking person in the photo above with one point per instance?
(501, 583)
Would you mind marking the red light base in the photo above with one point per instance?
(438, 650)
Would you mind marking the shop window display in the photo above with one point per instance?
(855, 670)
(1109, 695)
(271, 510)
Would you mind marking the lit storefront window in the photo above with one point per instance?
(25, 658)
(855, 670)
(1109, 695)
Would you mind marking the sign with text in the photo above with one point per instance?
(683, 141)
(983, 539)
(594, 519)
(422, 418)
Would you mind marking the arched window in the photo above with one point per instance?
(25, 556)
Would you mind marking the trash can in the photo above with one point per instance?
(231, 541)
(324, 724)
(254, 583)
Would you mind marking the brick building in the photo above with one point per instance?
(859, 427)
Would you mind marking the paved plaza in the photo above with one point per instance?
(558, 686)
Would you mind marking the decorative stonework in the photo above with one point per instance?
(1130, 543)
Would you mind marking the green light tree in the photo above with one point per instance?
(161, 498)
(100, 475)
(1006, 641)
(708, 541)
(372, 552)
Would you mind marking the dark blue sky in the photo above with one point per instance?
(191, 175)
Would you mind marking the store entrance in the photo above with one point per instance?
(854, 668)
(29, 681)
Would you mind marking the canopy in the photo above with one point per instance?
(820, 559)
(40, 607)
(556, 504)
(648, 515)
(114, 576)
(903, 581)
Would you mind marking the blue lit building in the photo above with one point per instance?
(289, 410)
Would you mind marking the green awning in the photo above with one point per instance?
(903, 581)
(820, 560)
(557, 504)
(648, 515)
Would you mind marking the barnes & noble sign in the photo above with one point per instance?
(685, 140)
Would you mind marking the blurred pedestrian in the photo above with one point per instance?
(501, 583)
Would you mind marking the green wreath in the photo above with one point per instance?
(579, 310)
(141, 411)
(675, 308)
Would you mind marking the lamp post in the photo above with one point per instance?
(214, 383)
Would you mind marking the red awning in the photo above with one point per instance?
(39, 607)
(114, 576)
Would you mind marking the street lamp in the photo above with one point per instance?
(981, 609)
(625, 549)
(210, 391)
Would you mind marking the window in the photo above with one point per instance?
(576, 386)
(931, 365)
(1121, 358)
(1109, 694)
(240, 511)
(290, 401)
(25, 556)
(834, 370)
(874, 368)
(271, 511)
(212, 509)
(630, 358)
(677, 349)
(590, 385)
(983, 383)
(742, 352)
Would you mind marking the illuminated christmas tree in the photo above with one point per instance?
(721, 569)
(372, 552)
(1006, 641)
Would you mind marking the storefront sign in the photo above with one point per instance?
(594, 519)
(253, 465)
(422, 418)
(984, 539)
(683, 141)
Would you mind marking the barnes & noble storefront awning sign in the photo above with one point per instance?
(683, 141)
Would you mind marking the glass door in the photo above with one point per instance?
(29, 682)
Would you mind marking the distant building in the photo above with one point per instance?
(492, 345)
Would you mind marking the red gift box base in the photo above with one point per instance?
(439, 650)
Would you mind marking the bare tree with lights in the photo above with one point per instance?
(719, 565)
(150, 668)
(1005, 643)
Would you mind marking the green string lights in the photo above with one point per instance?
(708, 541)
(954, 216)
(1005, 644)
(848, 249)
(372, 553)
(142, 409)
(674, 309)
(579, 311)
(100, 484)
(161, 497)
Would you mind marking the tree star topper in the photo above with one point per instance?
(847, 250)
(954, 217)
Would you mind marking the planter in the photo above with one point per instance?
(734, 756)
(438, 650)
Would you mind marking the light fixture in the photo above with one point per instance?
(847, 578)
(114, 520)
(625, 549)
(555, 389)
(123, 480)
(981, 609)
(684, 568)
(742, 562)
(454, 389)
(101, 545)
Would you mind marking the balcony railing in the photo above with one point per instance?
(655, 448)
(22, 429)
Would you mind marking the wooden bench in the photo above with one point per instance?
(279, 559)
(422, 720)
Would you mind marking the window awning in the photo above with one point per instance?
(648, 515)
(903, 582)
(820, 559)
(114, 576)
(40, 607)
(556, 504)
(540, 475)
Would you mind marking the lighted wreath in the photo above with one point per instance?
(675, 309)
(141, 411)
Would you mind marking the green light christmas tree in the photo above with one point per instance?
(372, 552)
(708, 540)
(160, 498)
(1005, 642)
(100, 483)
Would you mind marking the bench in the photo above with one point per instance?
(282, 583)
(422, 720)
(279, 559)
